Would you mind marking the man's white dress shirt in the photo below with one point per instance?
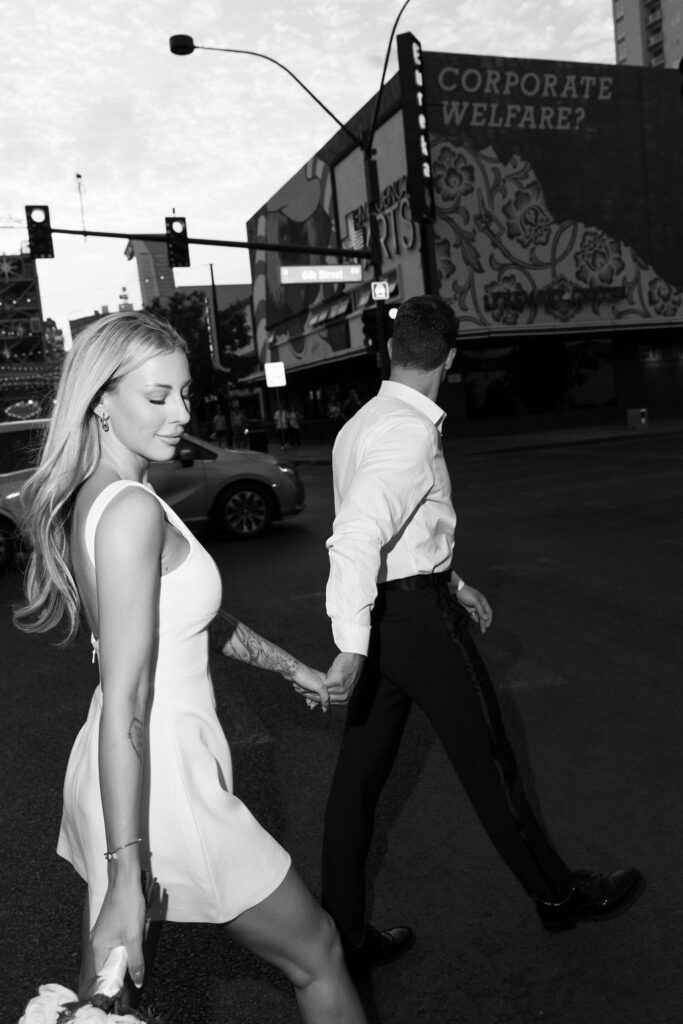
(393, 511)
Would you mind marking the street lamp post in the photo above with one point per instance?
(183, 45)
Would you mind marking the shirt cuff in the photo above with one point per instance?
(351, 639)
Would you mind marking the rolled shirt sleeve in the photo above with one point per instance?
(382, 478)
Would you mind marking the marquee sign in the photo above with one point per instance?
(415, 127)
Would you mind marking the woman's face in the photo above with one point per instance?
(149, 408)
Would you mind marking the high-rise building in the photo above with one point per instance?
(154, 270)
(649, 33)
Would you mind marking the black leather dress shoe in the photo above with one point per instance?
(591, 898)
(381, 947)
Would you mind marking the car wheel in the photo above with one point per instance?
(244, 511)
(7, 545)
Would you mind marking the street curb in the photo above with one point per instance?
(461, 446)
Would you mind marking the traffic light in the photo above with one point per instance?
(176, 242)
(370, 319)
(39, 232)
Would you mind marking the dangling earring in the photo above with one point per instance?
(104, 422)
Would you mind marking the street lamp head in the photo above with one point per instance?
(181, 45)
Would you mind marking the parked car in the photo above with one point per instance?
(241, 492)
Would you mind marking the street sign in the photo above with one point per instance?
(322, 273)
(275, 375)
(379, 291)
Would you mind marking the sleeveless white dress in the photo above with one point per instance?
(210, 856)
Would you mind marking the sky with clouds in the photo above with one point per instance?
(93, 89)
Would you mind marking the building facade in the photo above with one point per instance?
(154, 270)
(649, 33)
(554, 233)
(31, 349)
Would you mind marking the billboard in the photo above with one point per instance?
(557, 192)
(300, 213)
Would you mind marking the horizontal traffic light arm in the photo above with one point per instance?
(266, 246)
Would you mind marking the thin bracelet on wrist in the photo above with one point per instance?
(113, 854)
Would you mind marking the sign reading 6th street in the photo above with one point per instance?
(322, 273)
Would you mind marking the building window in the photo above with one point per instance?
(620, 31)
(618, 8)
(621, 52)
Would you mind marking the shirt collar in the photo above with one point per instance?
(415, 398)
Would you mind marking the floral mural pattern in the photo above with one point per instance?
(453, 176)
(504, 260)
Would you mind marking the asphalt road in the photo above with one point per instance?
(580, 551)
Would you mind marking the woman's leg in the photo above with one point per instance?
(290, 930)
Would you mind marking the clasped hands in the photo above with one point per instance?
(334, 687)
(337, 685)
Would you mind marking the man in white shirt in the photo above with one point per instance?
(402, 619)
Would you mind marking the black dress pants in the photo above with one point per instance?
(421, 650)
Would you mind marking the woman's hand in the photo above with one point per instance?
(121, 922)
(476, 605)
(310, 683)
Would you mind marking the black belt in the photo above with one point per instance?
(423, 579)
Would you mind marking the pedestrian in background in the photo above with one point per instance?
(280, 421)
(149, 780)
(402, 620)
(220, 427)
(351, 404)
(238, 421)
(335, 415)
(294, 423)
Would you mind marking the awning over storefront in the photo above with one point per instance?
(259, 377)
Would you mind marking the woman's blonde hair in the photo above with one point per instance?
(102, 353)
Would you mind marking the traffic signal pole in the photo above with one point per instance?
(372, 186)
(268, 246)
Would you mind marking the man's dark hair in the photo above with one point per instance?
(425, 329)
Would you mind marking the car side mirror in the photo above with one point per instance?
(186, 457)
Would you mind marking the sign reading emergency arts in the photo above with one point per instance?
(556, 191)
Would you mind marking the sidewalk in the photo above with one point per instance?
(321, 454)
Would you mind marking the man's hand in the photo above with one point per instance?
(342, 676)
(476, 605)
(310, 684)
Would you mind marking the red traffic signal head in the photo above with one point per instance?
(176, 242)
(39, 232)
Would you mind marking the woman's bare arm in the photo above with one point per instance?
(238, 641)
(128, 546)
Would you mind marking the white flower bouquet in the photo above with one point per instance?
(56, 1004)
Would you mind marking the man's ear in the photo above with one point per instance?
(449, 358)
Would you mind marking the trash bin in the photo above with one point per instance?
(636, 419)
(257, 439)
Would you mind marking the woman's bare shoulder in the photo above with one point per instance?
(132, 515)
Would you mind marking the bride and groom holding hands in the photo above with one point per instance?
(149, 781)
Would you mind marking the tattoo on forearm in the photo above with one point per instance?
(247, 646)
(136, 732)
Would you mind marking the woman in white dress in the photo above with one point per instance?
(149, 780)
